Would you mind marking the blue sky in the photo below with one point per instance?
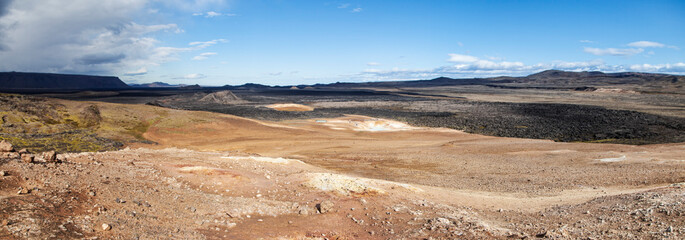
(217, 42)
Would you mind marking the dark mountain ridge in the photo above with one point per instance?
(549, 79)
(22, 80)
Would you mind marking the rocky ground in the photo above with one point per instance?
(174, 193)
(317, 173)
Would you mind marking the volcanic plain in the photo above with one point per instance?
(496, 159)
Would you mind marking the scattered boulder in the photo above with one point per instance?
(325, 206)
(3, 173)
(27, 158)
(302, 210)
(23, 150)
(5, 146)
(24, 191)
(9, 155)
(106, 227)
(50, 156)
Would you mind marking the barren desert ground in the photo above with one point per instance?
(202, 175)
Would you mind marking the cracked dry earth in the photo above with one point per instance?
(215, 192)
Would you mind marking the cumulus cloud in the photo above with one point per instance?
(372, 64)
(201, 45)
(192, 5)
(211, 14)
(586, 41)
(649, 44)
(192, 76)
(83, 36)
(80, 36)
(646, 44)
(141, 71)
(466, 66)
(467, 62)
(613, 51)
(204, 56)
(676, 68)
(356, 10)
(461, 58)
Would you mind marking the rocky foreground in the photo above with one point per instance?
(183, 194)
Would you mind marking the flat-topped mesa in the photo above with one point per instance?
(21, 80)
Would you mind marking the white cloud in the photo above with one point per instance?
(91, 37)
(469, 66)
(141, 71)
(212, 14)
(649, 44)
(192, 76)
(344, 5)
(646, 44)
(586, 41)
(372, 64)
(356, 10)
(676, 68)
(460, 44)
(461, 58)
(613, 51)
(192, 5)
(201, 45)
(204, 56)
(80, 36)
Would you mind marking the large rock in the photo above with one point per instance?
(9, 155)
(6, 146)
(325, 206)
(50, 156)
(27, 158)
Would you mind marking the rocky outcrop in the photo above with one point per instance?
(221, 97)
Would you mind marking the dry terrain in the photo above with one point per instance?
(203, 175)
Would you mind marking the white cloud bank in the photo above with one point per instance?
(466, 66)
(636, 48)
(613, 51)
(84, 36)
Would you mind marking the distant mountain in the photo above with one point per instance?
(556, 78)
(550, 79)
(25, 81)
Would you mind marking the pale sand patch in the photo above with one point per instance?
(618, 159)
(278, 160)
(347, 185)
(199, 170)
(290, 107)
(341, 184)
(366, 124)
